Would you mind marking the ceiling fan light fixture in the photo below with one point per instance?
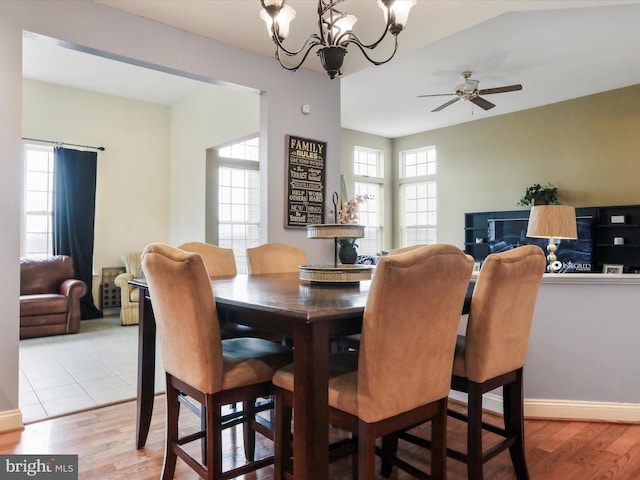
(335, 32)
(469, 91)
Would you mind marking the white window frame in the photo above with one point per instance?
(371, 244)
(425, 229)
(47, 213)
(243, 155)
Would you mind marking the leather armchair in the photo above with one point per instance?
(129, 295)
(49, 297)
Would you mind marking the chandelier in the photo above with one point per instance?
(335, 32)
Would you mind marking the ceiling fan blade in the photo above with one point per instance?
(509, 88)
(482, 103)
(445, 105)
(436, 95)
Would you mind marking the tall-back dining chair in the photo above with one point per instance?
(352, 342)
(197, 362)
(275, 258)
(401, 375)
(493, 351)
(219, 262)
(395, 251)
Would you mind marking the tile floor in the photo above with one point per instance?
(68, 373)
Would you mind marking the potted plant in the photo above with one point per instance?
(538, 194)
(347, 253)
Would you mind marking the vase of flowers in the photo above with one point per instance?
(348, 215)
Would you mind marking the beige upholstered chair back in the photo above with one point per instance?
(186, 318)
(275, 258)
(409, 331)
(395, 251)
(501, 312)
(220, 262)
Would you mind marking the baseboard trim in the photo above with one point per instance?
(565, 409)
(10, 420)
(578, 410)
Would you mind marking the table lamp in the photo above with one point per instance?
(552, 222)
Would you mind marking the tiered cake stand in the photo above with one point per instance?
(336, 273)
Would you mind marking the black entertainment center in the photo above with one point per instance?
(606, 236)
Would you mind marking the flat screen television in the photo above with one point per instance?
(575, 255)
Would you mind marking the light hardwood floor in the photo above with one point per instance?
(103, 439)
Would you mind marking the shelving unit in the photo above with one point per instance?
(625, 225)
(619, 222)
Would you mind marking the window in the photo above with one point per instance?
(418, 199)
(38, 201)
(367, 168)
(239, 199)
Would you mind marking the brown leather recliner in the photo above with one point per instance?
(49, 297)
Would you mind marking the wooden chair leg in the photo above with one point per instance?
(214, 440)
(366, 451)
(203, 427)
(248, 433)
(474, 432)
(514, 425)
(389, 445)
(439, 443)
(283, 448)
(173, 411)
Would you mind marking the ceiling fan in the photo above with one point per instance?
(469, 91)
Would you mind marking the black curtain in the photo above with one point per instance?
(74, 200)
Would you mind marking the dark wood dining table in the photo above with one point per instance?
(309, 313)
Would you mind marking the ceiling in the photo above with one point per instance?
(558, 50)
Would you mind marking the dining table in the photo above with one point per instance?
(309, 313)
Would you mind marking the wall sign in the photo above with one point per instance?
(306, 179)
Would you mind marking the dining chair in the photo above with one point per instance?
(400, 377)
(221, 262)
(352, 342)
(395, 251)
(199, 363)
(492, 354)
(275, 258)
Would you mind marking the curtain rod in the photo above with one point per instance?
(63, 143)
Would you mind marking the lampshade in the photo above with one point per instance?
(552, 221)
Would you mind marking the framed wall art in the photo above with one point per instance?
(306, 181)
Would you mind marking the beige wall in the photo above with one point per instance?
(133, 168)
(351, 139)
(588, 147)
(117, 34)
(208, 118)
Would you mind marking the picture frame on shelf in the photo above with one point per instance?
(612, 269)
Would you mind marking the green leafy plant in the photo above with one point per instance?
(536, 193)
(347, 242)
